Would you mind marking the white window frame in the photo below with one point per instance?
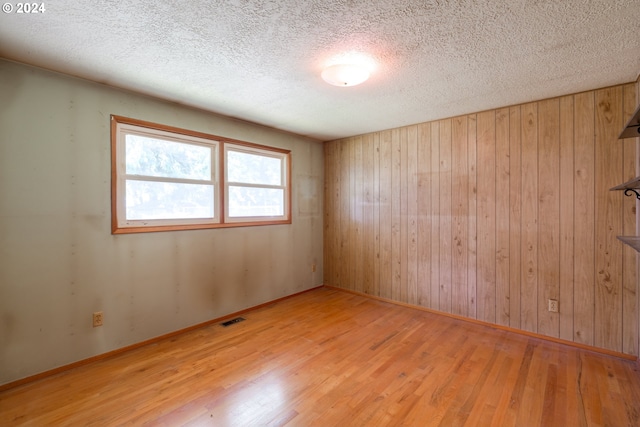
(284, 182)
(121, 126)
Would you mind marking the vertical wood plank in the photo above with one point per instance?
(404, 212)
(503, 307)
(376, 212)
(424, 214)
(396, 200)
(336, 239)
(529, 256)
(486, 216)
(629, 256)
(435, 216)
(473, 216)
(337, 205)
(460, 216)
(345, 215)
(357, 220)
(584, 211)
(445, 216)
(386, 191)
(515, 216)
(351, 258)
(549, 214)
(329, 212)
(412, 212)
(608, 261)
(368, 234)
(566, 306)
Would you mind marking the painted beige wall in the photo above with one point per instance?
(59, 262)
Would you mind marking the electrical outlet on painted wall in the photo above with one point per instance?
(97, 319)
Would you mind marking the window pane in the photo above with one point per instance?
(157, 157)
(248, 201)
(168, 200)
(253, 168)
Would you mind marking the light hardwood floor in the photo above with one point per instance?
(331, 358)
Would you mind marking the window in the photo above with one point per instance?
(166, 178)
(254, 184)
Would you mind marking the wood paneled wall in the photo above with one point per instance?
(490, 215)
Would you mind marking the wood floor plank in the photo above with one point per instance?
(329, 357)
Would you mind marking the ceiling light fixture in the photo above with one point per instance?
(345, 74)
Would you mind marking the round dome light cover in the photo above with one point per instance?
(345, 74)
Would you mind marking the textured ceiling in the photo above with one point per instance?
(261, 60)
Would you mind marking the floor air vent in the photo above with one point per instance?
(232, 321)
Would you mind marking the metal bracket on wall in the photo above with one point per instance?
(628, 192)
